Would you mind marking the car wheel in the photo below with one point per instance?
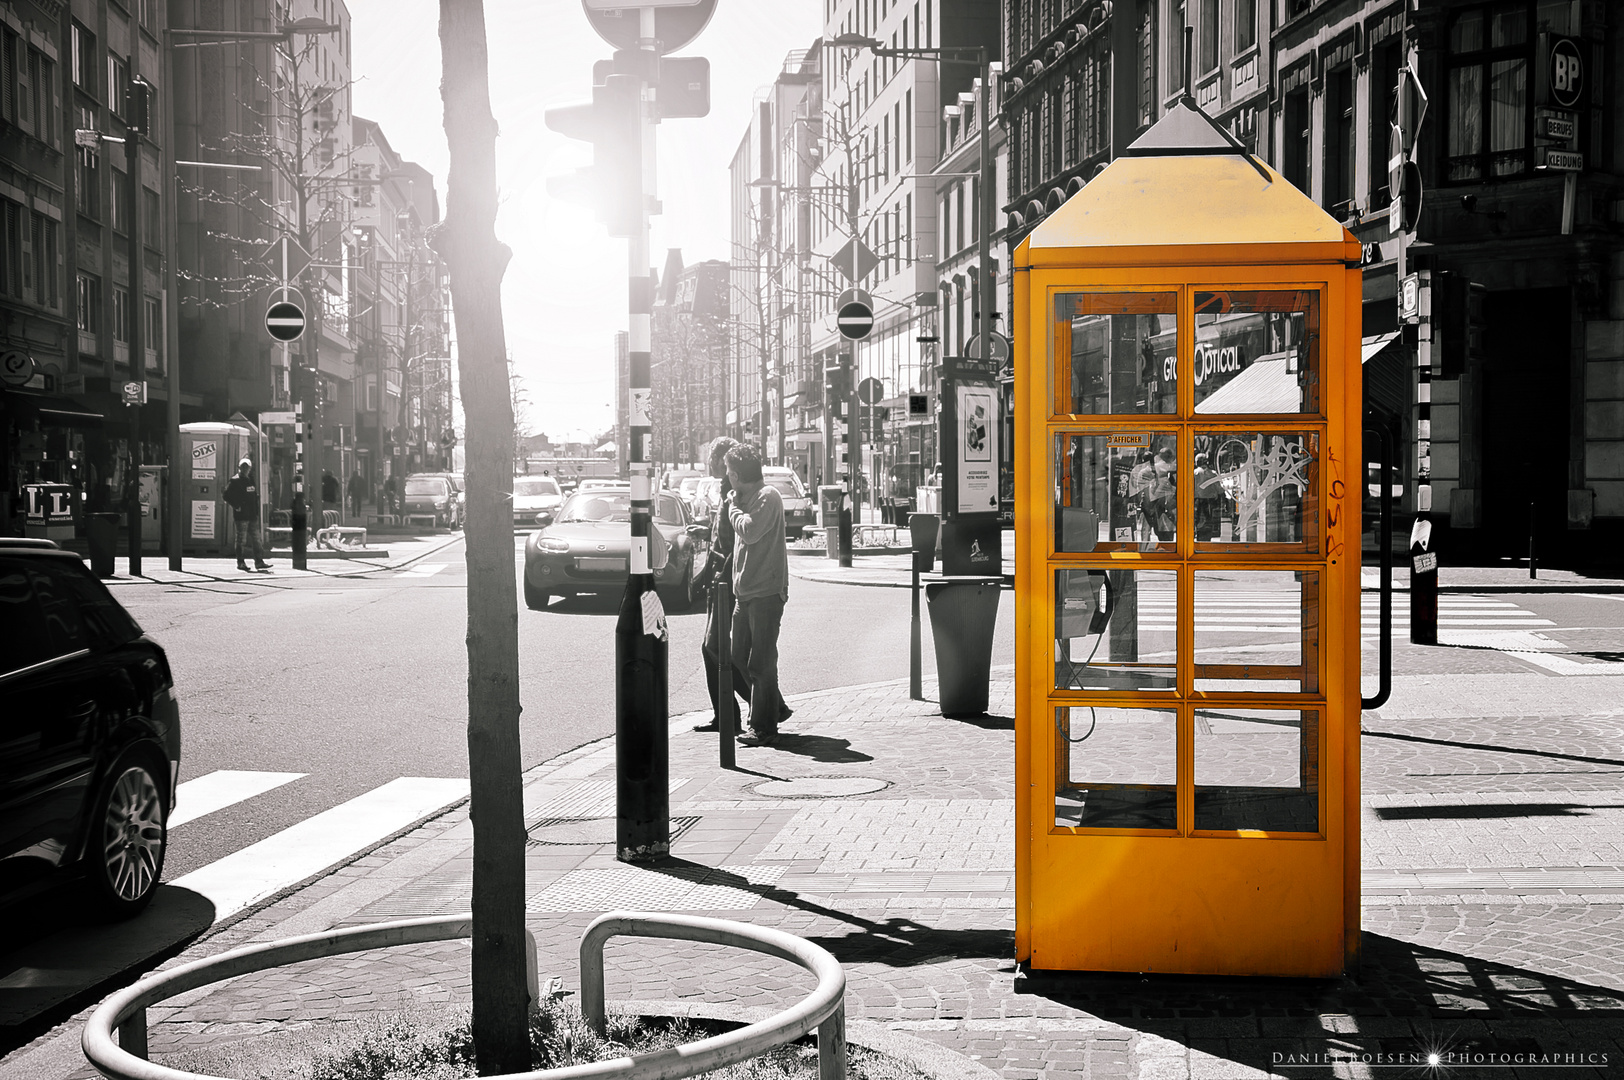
(124, 856)
(535, 599)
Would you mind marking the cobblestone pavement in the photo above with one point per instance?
(1493, 905)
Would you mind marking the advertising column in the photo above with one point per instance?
(968, 437)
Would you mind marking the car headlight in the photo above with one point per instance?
(552, 543)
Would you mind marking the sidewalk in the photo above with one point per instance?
(403, 548)
(895, 571)
(883, 832)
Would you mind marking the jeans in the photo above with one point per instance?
(249, 531)
(709, 650)
(755, 642)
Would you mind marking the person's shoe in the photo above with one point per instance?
(784, 712)
(241, 565)
(756, 738)
(261, 564)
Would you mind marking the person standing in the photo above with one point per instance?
(357, 491)
(331, 496)
(760, 586)
(389, 497)
(242, 495)
(720, 568)
(1208, 492)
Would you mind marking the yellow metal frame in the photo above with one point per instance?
(1217, 902)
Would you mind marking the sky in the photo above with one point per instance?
(564, 296)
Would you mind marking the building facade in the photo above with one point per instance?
(82, 249)
(689, 363)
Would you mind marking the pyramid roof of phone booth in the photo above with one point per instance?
(1186, 193)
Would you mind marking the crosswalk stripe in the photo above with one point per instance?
(300, 851)
(220, 789)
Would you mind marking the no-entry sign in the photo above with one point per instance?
(854, 314)
(285, 321)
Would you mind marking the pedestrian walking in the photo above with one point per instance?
(720, 568)
(242, 495)
(331, 496)
(1208, 499)
(357, 491)
(760, 586)
(389, 496)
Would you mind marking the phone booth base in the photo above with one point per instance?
(1187, 422)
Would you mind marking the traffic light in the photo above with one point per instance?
(612, 123)
(837, 387)
(138, 108)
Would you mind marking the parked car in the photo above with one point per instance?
(90, 750)
(432, 496)
(604, 485)
(531, 496)
(707, 497)
(799, 508)
(586, 548)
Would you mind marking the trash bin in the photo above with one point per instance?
(102, 532)
(829, 499)
(962, 617)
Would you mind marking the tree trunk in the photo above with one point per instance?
(477, 261)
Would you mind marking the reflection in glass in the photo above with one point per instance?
(1115, 768)
(1257, 351)
(1115, 492)
(1256, 487)
(1115, 629)
(1115, 353)
(1257, 769)
(1257, 631)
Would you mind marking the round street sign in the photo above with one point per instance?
(285, 321)
(998, 350)
(676, 22)
(16, 367)
(854, 313)
(870, 391)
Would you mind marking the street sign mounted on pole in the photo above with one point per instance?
(285, 258)
(997, 348)
(870, 391)
(676, 22)
(285, 321)
(855, 261)
(854, 313)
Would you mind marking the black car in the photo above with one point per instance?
(89, 735)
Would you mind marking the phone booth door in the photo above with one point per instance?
(1191, 600)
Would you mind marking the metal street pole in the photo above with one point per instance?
(135, 300)
(642, 749)
(175, 530)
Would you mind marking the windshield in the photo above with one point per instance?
(532, 485)
(426, 487)
(788, 488)
(616, 506)
(690, 485)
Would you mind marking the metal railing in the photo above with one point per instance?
(824, 1009)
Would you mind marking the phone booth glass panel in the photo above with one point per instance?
(1187, 403)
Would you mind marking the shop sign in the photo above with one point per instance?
(1546, 157)
(1409, 298)
(1127, 439)
(1559, 77)
(48, 504)
(1426, 562)
(205, 460)
(1550, 124)
(16, 367)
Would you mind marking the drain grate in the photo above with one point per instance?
(589, 832)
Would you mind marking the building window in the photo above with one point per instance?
(1147, 64)
(118, 85)
(152, 324)
(1488, 112)
(1209, 35)
(118, 210)
(149, 215)
(1383, 114)
(1339, 136)
(121, 314)
(1245, 25)
(1294, 163)
(90, 302)
(83, 59)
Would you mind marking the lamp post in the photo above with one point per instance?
(171, 197)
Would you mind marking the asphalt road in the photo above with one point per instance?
(357, 681)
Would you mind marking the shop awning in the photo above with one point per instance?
(1265, 386)
(1374, 344)
(64, 412)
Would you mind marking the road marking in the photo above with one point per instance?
(424, 569)
(300, 851)
(218, 790)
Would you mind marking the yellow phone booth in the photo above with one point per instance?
(1187, 424)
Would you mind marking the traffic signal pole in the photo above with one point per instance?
(642, 751)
